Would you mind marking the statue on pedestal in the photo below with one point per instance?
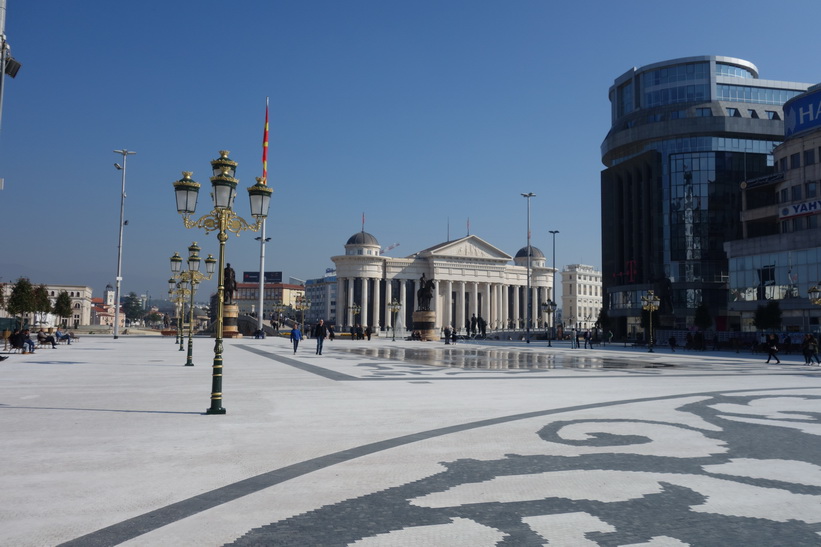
(425, 293)
(229, 284)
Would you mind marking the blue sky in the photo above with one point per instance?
(419, 114)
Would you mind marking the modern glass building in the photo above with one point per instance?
(684, 134)
(779, 256)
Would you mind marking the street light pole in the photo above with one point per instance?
(222, 219)
(555, 298)
(394, 307)
(651, 304)
(125, 153)
(529, 300)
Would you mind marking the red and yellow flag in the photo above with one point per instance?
(265, 147)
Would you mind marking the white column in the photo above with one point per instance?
(486, 304)
(363, 316)
(501, 316)
(474, 299)
(403, 299)
(447, 304)
(340, 296)
(460, 306)
(377, 303)
(516, 313)
(388, 300)
(348, 311)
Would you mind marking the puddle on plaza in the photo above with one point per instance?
(495, 359)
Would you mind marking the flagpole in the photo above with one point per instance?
(262, 239)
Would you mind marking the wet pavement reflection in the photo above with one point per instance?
(488, 358)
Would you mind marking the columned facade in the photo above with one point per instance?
(470, 278)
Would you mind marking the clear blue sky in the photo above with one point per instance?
(420, 114)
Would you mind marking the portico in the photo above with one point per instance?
(472, 279)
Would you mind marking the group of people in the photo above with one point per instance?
(21, 339)
(358, 333)
(577, 336)
(320, 332)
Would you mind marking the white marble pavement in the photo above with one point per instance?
(378, 443)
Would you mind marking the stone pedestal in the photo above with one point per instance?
(424, 322)
(230, 313)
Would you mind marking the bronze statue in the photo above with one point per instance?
(229, 284)
(425, 293)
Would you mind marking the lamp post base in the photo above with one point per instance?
(217, 410)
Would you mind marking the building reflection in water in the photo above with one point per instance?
(482, 358)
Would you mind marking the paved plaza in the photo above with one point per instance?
(383, 443)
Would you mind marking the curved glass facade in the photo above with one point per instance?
(724, 69)
(671, 191)
(759, 95)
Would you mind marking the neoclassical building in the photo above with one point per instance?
(470, 276)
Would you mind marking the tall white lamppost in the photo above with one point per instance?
(529, 299)
(125, 153)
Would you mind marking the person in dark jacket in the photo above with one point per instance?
(320, 332)
(772, 348)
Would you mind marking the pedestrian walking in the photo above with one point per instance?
(772, 348)
(814, 350)
(806, 349)
(672, 341)
(296, 336)
(320, 332)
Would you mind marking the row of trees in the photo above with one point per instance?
(26, 298)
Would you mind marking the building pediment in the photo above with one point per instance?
(470, 247)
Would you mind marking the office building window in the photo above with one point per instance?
(704, 112)
(752, 113)
(796, 193)
(772, 115)
(733, 113)
(811, 189)
(809, 157)
(795, 161)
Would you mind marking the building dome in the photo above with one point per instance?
(534, 253)
(362, 238)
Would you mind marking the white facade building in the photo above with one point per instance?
(470, 276)
(581, 296)
(80, 305)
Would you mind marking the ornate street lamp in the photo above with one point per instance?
(651, 304)
(549, 308)
(222, 219)
(355, 308)
(178, 301)
(814, 295)
(189, 280)
(302, 304)
(394, 306)
(279, 307)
